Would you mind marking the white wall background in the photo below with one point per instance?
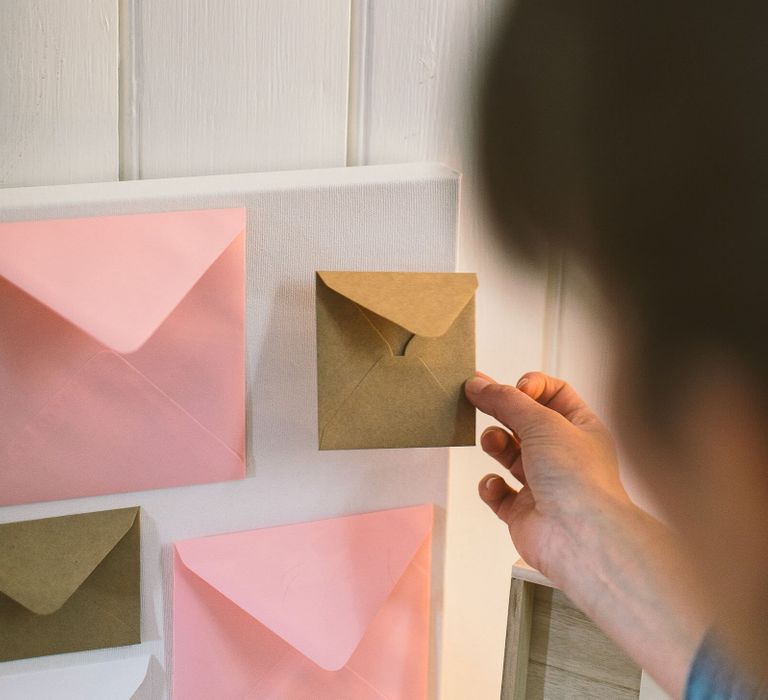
(94, 90)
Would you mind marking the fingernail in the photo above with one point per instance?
(476, 385)
(489, 482)
(492, 443)
(522, 382)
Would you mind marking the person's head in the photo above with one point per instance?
(633, 136)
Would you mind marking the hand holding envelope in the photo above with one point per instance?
(121, 353)
(336, 609)
(69, 583)
(393, 352)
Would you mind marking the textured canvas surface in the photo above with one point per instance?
(380, 218)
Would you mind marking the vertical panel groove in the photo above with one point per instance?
(553, 317)
(358, 79)
(128, 78)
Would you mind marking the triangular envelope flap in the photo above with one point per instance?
(317, 585)
(116, 277)
(424, 303)
(45, 561)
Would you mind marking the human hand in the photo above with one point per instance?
(574, 522)
(564, 458)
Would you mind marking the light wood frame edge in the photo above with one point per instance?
(517, 645)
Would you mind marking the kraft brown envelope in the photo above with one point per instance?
(393, 352)
(69, 583)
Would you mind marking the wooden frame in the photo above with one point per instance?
(554, 651)
(517, 646)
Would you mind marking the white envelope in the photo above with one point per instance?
(108, 680)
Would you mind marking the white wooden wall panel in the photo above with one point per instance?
(585, 357)
(58, 91)
(583, 353)
(238, 85)
(650, 690)
(417, 63)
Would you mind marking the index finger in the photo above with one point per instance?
(556, 394)
(510, 406)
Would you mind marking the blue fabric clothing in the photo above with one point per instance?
(712, 677)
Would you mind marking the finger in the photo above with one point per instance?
(500, 497)
(510, 406)
(505, 449)
(556, 394)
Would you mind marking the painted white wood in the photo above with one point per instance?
(650, 690)
(583, 354)
(522, 571)
(297, 223)
(418, 65)
(240, 85)
(58, 91)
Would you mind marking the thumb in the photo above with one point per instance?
(510, 406)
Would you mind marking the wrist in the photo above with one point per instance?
(587, 542)
(623, 569)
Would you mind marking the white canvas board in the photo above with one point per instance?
(401, 217)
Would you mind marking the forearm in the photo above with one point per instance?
(574, 521)
(622, 567)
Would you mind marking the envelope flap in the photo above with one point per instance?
(45, 561)
(424, 303)
(116, 277)
(317, 585)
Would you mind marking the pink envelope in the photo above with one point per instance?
(121, 353)
(330, 610)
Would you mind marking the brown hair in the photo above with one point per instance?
(635, 135)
